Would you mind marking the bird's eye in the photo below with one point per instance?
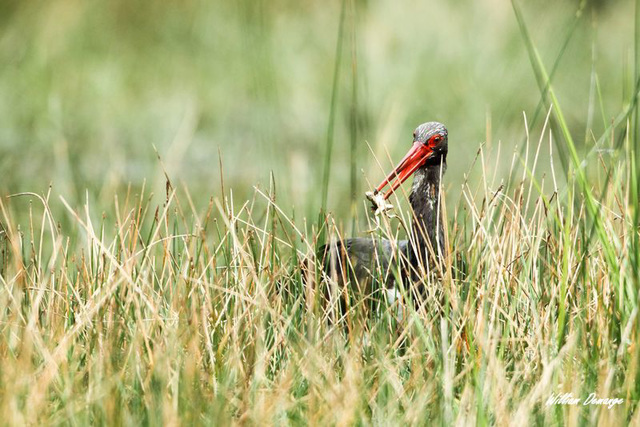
(437, 138)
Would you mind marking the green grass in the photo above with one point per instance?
(174, 314)
(183, 287)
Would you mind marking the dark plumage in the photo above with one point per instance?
(370, 258)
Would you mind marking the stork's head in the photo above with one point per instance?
(429, 148)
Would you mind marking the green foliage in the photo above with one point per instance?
(126, 302)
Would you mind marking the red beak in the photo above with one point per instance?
(416, 157)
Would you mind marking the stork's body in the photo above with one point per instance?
(361, 259)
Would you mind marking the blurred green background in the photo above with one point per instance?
(88, 88)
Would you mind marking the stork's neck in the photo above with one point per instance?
(427, 222)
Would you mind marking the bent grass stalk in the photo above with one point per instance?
(184, 315)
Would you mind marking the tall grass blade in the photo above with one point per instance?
(326, 175)
(353, 117)
(540, 107)
(562, 126)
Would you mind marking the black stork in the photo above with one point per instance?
(358, 259)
